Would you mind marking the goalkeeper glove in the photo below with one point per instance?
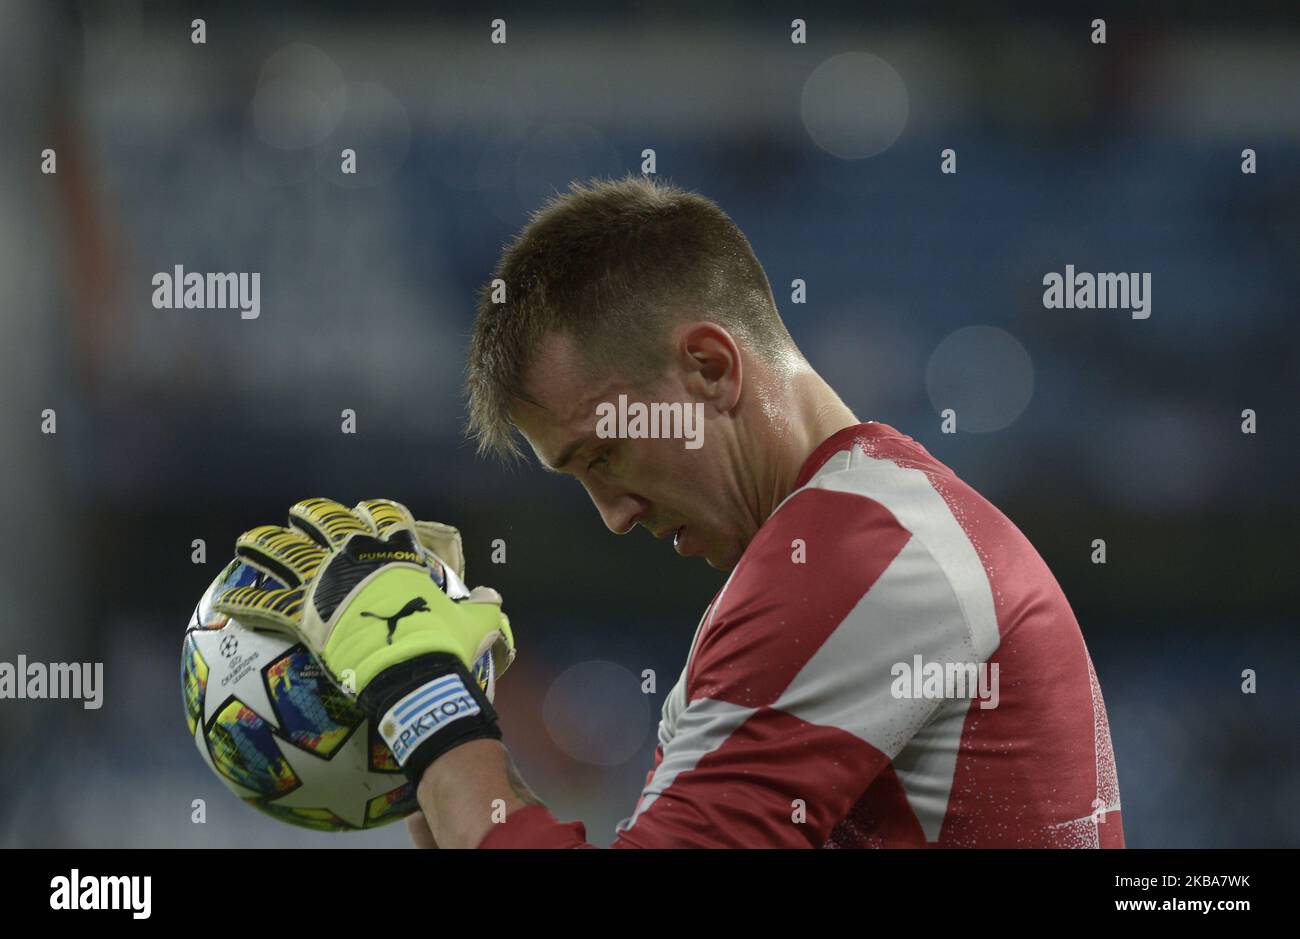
(361, 594)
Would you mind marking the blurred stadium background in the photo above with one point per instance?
(923, 292)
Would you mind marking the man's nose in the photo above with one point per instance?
(619, 510)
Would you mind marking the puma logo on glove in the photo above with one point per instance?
(414, 605)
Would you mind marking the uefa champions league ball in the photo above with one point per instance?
(268, 720)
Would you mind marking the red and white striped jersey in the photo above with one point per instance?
(812, 710)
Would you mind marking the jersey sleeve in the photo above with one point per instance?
(793, 708)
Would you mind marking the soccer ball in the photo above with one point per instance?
(271, 724)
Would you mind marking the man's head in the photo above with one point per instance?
(635, 288)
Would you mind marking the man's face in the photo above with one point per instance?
(685, 495)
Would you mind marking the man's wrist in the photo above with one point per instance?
(427, 706)
(469, 791)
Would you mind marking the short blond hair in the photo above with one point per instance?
(612, 264)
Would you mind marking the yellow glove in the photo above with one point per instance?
(367, 591)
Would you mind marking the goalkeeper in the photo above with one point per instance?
(805, 715)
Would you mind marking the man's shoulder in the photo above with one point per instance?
(874, 513)
(870, 458)
(855, 488)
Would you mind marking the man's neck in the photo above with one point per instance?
(797, 417)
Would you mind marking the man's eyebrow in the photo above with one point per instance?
(565, 456)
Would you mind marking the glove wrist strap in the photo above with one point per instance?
(427, 706)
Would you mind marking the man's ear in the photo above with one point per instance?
(711, 360)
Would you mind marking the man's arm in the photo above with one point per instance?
(418, 828)
(722, 783)
(459, 793)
